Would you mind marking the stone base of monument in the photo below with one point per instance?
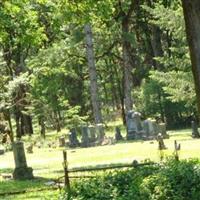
(2, 151)
(23, 173)
(131, 135)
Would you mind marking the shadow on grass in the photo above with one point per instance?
(29, 189)
(6, 170)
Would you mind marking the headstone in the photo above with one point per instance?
(155, 127)
(21, 171)
(85, 136)
(151, 128)
(195, 132)
(118, 135)
(61, 141)
(134, 126)
(160, 140)
(100, 132)
(177, 146)
(2, 150)
(73, 141)
(146, 128)
(162, 130)
(92, 133)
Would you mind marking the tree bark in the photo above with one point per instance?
(127, 66)
(191, 9)
(93, 75)
(157, 45)
(120, 92)
(42, 126)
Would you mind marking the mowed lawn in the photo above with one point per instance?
(47, 162)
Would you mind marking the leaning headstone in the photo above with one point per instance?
(61, 141)
(134, 126)
(85, 136)
(195, 132)
(118, 135)
(21, 171)
(92, 133)
(73, 141)
(100, 132)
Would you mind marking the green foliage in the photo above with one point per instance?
(176, 180)
(44, 41)
(152, 100)
(169, 90)
(177, 84)
(172, 181)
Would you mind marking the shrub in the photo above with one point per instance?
(170, 181)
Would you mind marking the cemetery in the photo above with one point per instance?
(44, 162)
(99, 100)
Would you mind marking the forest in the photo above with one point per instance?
(138, 53)
(71, 63)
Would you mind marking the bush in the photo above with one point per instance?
(170, 181)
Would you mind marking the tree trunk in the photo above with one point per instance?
(57, 121)
(18, 125)
(127, 66)
(93, 75)
(120, 91)
(156, 44)
(191, 10)
(27, 123)
(42, 126)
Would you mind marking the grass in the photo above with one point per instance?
(47, 162)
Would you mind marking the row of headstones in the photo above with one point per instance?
(150, 131)
(147, 129)
(90, 136)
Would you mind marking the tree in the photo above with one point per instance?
(191, 10)
(93, 75)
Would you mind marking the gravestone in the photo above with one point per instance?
(100, 132)
(195, 132)
(61, 141)
(21, 171)
(92, 133)
(2, 150)
(134, 126)
(118, 135)
(146, 128)
(85, 136)
(161, 145)
(73, 141)
(154, 127)
(162, 130)
(150, 128)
